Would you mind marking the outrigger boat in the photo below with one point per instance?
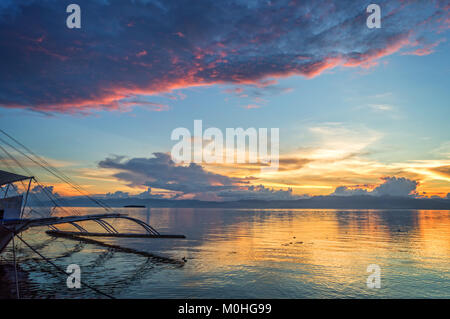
(12, 222)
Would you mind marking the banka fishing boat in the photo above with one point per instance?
(15, 191)
(13, 223)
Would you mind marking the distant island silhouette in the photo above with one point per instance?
(331, 202)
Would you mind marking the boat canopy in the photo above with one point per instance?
(7, 177)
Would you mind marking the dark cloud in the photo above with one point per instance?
(193, 180)
(43, 191)
(124, 195)
(292, 163)
(391, 186)
(130, 48)
(346, 191)
(161, 172)
(41, 195)
(442, 170)
(259, 192)
(396, 186)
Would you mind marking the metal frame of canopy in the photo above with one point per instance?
(9, 228)
(8, 179)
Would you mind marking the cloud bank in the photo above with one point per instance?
(191, 181)
(194, 182)
(129, 49)
(391, 186)
(161, 172)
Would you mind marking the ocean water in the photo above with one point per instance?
(232, 253)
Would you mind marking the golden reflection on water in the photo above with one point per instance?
(434, 231)
(281, 253)
(330, 248)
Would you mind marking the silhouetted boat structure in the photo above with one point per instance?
(12, 208)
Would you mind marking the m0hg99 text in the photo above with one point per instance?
(246, 308)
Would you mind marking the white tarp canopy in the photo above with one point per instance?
(7, 177)
(11, 207)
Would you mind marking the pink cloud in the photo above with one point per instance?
(251, 106)
(100, 70)
(424, 50)
(142, 53)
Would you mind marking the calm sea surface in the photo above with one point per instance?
(233, 253)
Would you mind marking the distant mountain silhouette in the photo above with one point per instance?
(338, 202)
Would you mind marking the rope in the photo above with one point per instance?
(62, 270)
(52, 170)
(49, 195)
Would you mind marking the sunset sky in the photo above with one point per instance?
(355, 106)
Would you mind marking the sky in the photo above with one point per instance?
(359, 110)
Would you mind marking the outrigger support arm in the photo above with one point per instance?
(19, 226)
